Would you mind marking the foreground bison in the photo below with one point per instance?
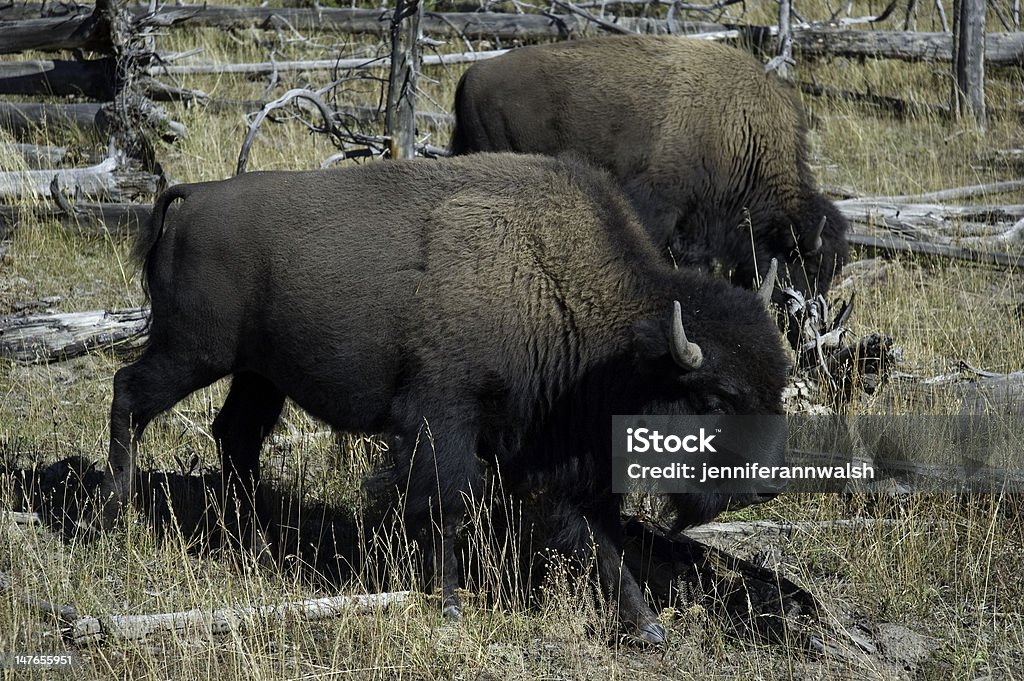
(710, 149)
(493, 306)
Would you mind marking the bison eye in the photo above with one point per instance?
(716, 406)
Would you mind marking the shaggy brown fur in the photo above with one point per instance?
(710, 149)
(493, 306)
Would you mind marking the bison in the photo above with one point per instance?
(710, 148)
(493, 309)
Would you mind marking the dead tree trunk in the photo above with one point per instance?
(784, 52)
(969, 60)
(400, 118)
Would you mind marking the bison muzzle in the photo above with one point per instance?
(497, 309)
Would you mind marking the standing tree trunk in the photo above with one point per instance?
(399, 120)
(784, 53)
(969, 60)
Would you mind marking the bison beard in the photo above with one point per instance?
(709, 148)
(493, 306)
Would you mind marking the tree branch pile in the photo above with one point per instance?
(991, 234)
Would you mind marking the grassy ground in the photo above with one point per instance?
(938, 584)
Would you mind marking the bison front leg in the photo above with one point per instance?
(437, 471)
(597, 531)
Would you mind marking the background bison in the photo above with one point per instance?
(710, 149)
(505, 307)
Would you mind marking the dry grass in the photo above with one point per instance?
(946, 568)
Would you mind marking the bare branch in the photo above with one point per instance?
(283, 100)
(579, 11)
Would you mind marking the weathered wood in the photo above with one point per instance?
(115, 219)
(909, 217)
(23, 518)
(21, 11)
(966, 393)
(1001, 49)
(22, 119)
(609, 26)
(36, 155)
(319, 64)
(968, 97)
(91, 78)
(895, 244)
(783, 61)
(107, 179)
(756, 527)
(471, 25)
(51, 337)
(86, 31)
(205, 622)
(970, 191)
(400, 114)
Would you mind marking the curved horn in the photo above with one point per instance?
(817, 242)
(686, 354)
(764, 292)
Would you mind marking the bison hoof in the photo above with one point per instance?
(652, 633)
(452, 612)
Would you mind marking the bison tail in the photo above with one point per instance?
(459, 144)
(150, 235)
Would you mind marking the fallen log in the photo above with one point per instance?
(471, 25)
(22, 119)
(892, 244)
(1001, 49)
(108, 179)
(92, 78)
(967, 192)
(21, 11)
(783, 529)
(205, 622)
(115, 219)
(47, 338)
(39, 156)
(913, 217)
(963, 392)
(84, 31)
(319, 64)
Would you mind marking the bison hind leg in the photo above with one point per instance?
(251, 410)
(142, 390)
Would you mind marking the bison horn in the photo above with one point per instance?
(686, 354)
(764, 292)
(816, 243)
